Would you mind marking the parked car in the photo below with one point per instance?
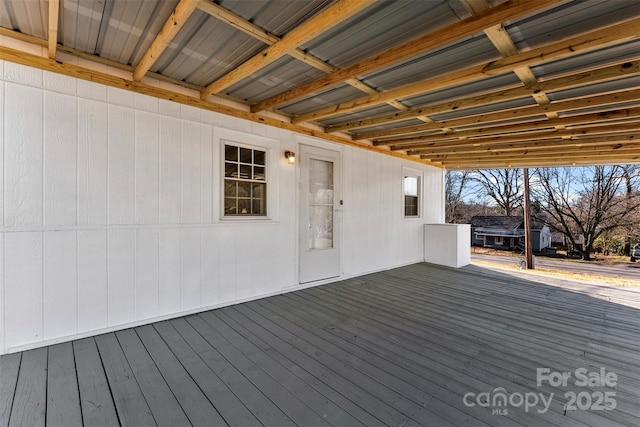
(635, 253)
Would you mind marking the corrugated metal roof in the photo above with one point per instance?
(569, 19)
(478, 87)
(596, 89)
(383, 25)
(463, 53)
(278, 17)
(28, 17)
(124, 34)
(206, 48)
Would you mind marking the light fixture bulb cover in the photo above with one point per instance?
(290, 156)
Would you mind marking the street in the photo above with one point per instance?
(622, 271)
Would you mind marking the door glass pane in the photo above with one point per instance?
(320, 232)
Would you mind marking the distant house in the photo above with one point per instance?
(507, 232)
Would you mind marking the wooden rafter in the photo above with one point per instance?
(450, 33)
(568, 136)
(318, 24)
(176, 21)
(269, 39)
(618, 151)
(582, 43)
(54, 10)
(83, 73)
(510, 117)
(531, 162)
(593, 119)
(569, 81)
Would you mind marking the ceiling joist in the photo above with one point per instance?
(448, 34)
(575, 106)
(54, 10)
(176, 21)
(572, 108)
(600, 75)
(318, 24)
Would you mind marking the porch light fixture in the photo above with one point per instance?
(290, 156)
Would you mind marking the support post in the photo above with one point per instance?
(527, 221)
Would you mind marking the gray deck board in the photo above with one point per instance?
(96, 402)
(260, 405)
(323, 405)
(399, 348)
(9, 368)
(163, 404)
(63, 399)
(30, 400)
(230, 407)
(128, 399)
(195, 404)
(278, 394)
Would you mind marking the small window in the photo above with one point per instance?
(498, 240)
(411, 188)
(245, 181)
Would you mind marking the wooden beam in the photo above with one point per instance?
(269, 39)
(619, 32)
(570, 81)
(310, 29)
(599, 120)
(603, 36)
(176, 21)
(71, 70)
(504, 118)
(54, 10)
(611, 149)
(540, 163)
(549, 143)
(508, 10)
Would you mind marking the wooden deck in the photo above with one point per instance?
(401, 348)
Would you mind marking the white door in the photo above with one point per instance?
(320, 214)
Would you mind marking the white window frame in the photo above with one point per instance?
(254, 142)
(413, 173)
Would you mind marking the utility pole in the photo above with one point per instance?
(527, 221)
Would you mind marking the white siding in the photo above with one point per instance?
(110, 207)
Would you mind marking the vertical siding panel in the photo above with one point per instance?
(60, 151)
(146, 168)
(169, 283)
(23, 288)
(2, 148)
(23, 156)
(207, 175)
(121, 253)
(228, 264)
(3, 347)
(210, 269)
(121, 165)
(93, 294)
(170, 164)
(191, 177)
(146, 273)
(92, 162)
(190, 269)
(60, 284)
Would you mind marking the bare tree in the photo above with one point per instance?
(503, 186)
(456, 186)
(585, 202)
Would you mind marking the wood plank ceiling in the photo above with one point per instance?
(463, 84)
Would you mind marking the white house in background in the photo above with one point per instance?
(120, 209)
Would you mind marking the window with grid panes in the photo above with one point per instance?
(245, 181)
(411, 187)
